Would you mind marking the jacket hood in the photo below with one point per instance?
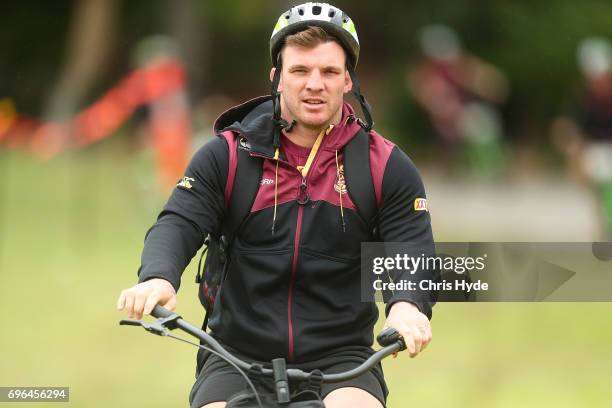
(253, 121)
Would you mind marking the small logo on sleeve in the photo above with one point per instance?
(266, 182)
(420, 204)
(185, 183)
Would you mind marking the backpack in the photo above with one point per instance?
(244, 190)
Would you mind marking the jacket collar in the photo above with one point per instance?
(253, 121)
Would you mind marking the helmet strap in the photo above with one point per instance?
(279, 123)
(365, 106)
(274, 92)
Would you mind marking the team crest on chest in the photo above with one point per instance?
(340, 184)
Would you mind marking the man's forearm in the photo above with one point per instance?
(169, 247)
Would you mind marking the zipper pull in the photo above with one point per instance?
(303, 197)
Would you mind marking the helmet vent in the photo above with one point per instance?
(316, 10)
(301, 11)
(331, 13)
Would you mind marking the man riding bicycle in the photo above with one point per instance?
(292, 283)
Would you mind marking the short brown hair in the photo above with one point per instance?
(310, 38)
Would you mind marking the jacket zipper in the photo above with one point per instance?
(303, 199)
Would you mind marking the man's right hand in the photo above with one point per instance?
(142, 298)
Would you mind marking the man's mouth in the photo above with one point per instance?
(313, 101)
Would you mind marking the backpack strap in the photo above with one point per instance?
(358, 174)
(244, 176)
(242, 194)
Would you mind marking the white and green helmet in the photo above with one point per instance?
(330, 18)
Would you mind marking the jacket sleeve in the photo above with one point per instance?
(401, 221)
(195, 208)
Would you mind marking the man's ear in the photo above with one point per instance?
(348, 82)
(280, 83)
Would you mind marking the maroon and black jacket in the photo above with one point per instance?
(293, 292)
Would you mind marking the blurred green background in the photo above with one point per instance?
(72, 227)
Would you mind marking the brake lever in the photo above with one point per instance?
(130, 322)
(156, 327)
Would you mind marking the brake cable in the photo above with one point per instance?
(158, 327)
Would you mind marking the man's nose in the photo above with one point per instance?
(315, 81)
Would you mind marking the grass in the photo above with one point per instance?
(71, 232)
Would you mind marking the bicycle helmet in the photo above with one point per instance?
(330, 18)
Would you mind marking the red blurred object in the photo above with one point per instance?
(161, 85)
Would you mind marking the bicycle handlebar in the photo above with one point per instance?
(389, 338)
(161, 312)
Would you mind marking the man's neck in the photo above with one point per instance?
(306, 136)
(303, 136)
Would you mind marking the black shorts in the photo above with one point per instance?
(216, 380)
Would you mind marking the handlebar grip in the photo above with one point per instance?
(389, 336)
(160, 311)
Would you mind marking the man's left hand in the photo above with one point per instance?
(411, 324)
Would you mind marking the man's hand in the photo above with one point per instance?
(411, 324)
(142, 298)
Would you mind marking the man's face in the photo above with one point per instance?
(312, 84)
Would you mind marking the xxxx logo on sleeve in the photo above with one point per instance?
(420, 204)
